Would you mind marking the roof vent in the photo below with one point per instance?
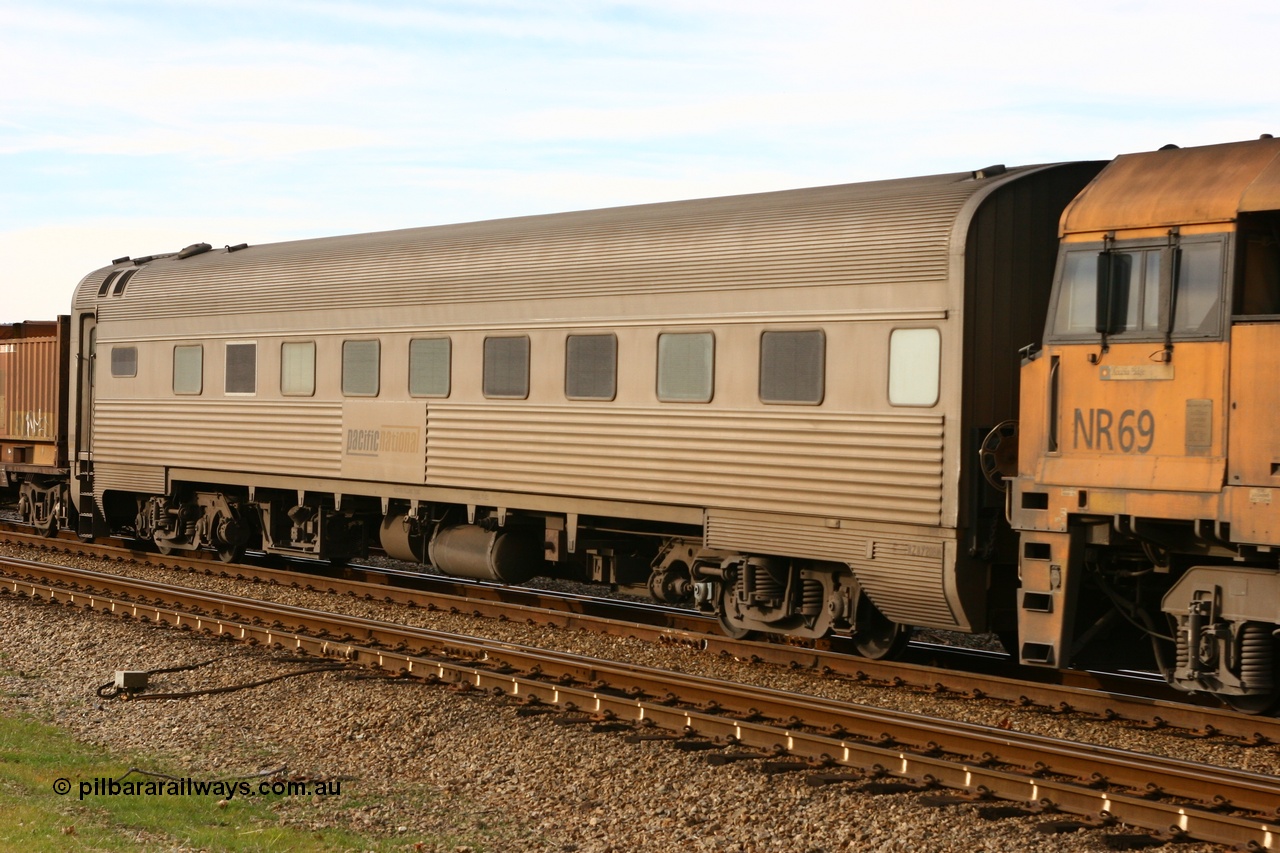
(120, 260)
(1169, 147)
(237, 247)
(990, 172)
(194, 249)
(1266, 136)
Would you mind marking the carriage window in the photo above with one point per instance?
(360, 365)
(686, 364)
(792, 367)
(591, 367)
(429, 360)
(188, 369)
(298, 368)
(124, 361)
(242, 369)
(914, 365)
(506, 367)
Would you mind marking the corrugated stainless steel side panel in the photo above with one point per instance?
(905, 577)
(874, 233)
(875, 467)
(140, 479)
(293, 438)
(29, 389)
(908, 582)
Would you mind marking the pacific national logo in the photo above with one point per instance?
(383, 440)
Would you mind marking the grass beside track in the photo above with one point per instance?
(34, 756)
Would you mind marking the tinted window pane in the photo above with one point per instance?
(591, 367)
(685, 367)
(360, 368)
(429, 367)
(124, 361)
(792, 367)
(188, 370)
(1199, 284)
(1078, 298)
(242, 369)
(506, 367)
(298, 369)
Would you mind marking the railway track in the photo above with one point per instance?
(959, 672)
(833, 741)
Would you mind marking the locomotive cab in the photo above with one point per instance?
(1148, 456)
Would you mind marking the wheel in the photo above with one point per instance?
(164, 548)
(1256, 705)
(231, 555)
(877, 637)
(50, 528)
(731, 630)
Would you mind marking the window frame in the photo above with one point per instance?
(822, 368)
(312, 391)
(122, 349)
(448, 367)
(1161, 245)
(568, 362)
(199, 348)
(711, 368)
(377, 373)
(528, 364)
(226, 368)
(912, 403)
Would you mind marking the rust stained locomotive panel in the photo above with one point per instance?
(1185, 186)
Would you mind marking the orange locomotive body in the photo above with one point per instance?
(1149, 458)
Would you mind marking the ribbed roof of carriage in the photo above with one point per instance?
(877, 232)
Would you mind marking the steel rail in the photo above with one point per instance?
(937, 669)
(1165, 795)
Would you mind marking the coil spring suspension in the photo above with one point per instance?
(765, 586)
(1183, 655)
(812, 598)
(1257, 656)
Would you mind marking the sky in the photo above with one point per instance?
(135, 127)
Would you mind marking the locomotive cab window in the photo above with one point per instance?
(360, 366)
(242, 369)
(1143, 292)
(914, 366)
(686, 367)
(124, 361)
(792, 367)
(429, 360)
(506, 368)
(188, 369)
(591, 367)
(1258, 284)
(298, 368)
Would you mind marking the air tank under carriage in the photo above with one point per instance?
(774, 403)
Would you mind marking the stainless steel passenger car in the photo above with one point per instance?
(771, 402)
